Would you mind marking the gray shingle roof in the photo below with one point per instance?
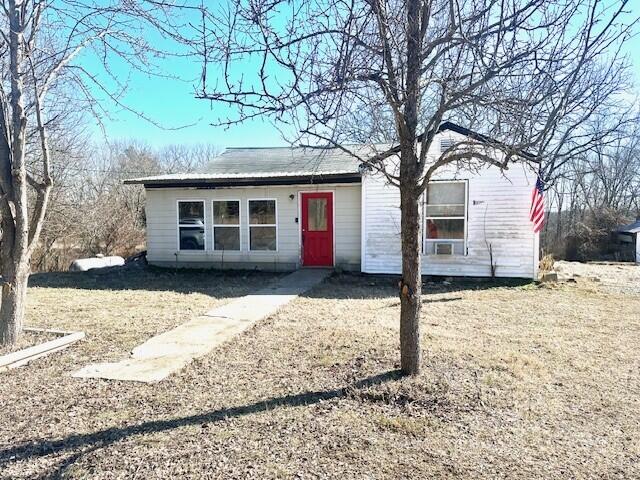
(263, 163)
(283, 160)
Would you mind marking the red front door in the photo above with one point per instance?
(317, 229)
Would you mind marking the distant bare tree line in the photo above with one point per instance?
(91, 211)
(593, 193)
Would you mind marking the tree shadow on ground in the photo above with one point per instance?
(89, 442)
(151, 279)
(428, 300)
(365, 286)
(338, 286)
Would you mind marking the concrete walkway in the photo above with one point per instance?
(168, 352)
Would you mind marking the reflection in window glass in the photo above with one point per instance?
(262, 212)
(445, 193)
(445, 210)
(191, 225)
(317, 214)
(263, 233)
(191, 212)
(226, 238)
(191, 238)
(449, 229)
(262, 238)
(226, 225)
(226, 212)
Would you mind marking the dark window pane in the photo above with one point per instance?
(317, 212)
(262, 238)
(445, 194)
(625, 238)
(191, 238)
(226, 212)
(262, 212)
(191, 213)
(450, 229)
(226, 238)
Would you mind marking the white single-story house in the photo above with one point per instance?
(286, 208)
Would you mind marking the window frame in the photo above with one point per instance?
(249, 224)
(465, 218)
(214, 225)
(179, 225)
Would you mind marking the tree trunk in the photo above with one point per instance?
(14, 298)
(15, 248)
(411, 284)
(410, 174)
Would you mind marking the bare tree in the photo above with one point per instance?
(595, 191)
(55, 52)
(91, 211)
(527, 73)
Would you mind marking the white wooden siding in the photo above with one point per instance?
(162, 247)
(498, 213)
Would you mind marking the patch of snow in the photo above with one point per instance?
(84, 264)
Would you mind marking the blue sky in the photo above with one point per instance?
(177, 117)
(171, 103)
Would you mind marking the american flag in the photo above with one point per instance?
(536, 214)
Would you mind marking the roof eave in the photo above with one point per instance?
(246, 181)
(481, 138)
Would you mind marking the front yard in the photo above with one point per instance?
(519, 381)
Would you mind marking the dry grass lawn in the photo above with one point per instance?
(520, 381)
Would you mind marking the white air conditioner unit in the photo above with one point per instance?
(444, 248)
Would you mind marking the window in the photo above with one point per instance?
(226, 225)
(191, 225)
(317, 215)
(263, 228)
(445, 217)
(625, 238)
